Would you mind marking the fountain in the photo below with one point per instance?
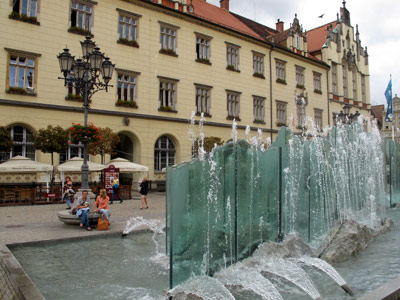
(223, 205)
(237, 219)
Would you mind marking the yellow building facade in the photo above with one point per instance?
(169, 62)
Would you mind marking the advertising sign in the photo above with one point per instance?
(109, 175)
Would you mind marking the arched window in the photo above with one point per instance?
(164, 153)
(23, 143)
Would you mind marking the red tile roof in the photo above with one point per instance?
(221, 17)
(316, 37)
(229, 20)
(261, 29)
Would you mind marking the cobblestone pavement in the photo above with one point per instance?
(19, 224)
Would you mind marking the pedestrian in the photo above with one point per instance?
(82, 209)
(68, 192)
(102, 204)
(144, 189)
(115, 190)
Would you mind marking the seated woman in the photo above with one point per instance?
(102, 204)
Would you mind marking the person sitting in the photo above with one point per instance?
(102, 204)
(82, 209)
(68, 192)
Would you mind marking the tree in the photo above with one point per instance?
(105, 146)
(6, 141)
(50, 140)
(209, 143)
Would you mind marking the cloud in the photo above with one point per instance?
(378, 26)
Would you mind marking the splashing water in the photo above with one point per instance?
(247, 133)
(291, 272)
(201, 151)
(234, 133)
(191, 134)
(157, 227)
(323, 266)
(249, 280)
(205, 287)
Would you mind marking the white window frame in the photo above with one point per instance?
(203, 47)
(318, 113)
(74, 150)
(85, 11)
(344, 78)
(258, 63)
(29, 10)
(233, 104)
(301, 115)
(203, 99)
(280, 69)
(24, 143)
(334, 79)
(317, 81)
(22, 65)
(281, 112)
(168, 37)
(300, 75)
(127, 26)
(169, 151)
(363, 90)
(167, 92)
(127, 82)
(354, 81)
(233, 56)
(259, 108)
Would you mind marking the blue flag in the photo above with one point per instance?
(388, 95)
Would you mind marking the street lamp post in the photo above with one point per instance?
(346, 117)
(88, 74)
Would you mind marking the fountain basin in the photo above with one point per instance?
(66, 217)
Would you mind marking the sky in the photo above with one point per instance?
(377, 23)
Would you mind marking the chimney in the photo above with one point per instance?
(279, 25)
(224, 4)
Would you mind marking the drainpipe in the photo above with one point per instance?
(327, 96)
(270, 86)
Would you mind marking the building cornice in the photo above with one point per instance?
(104, 112)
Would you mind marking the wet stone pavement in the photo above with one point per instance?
(20, 224)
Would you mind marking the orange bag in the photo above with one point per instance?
(102, 224)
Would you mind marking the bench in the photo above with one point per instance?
(66, 217)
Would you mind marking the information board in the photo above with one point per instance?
(109, 175)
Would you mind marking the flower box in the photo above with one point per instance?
(74, 97)
(17, 91)
(21, 91)
(166, 109)
(237, 118)
(318, 91)
(24, 18)
(300, 86)
(128, 42)
(80, 31)
(203, 61)
(168, 52)
(232, 68)
(259, 75)
(84, 134)
(126, 103)
(281, 81)
(280, 124)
